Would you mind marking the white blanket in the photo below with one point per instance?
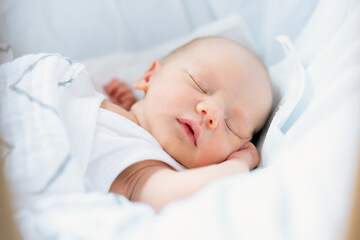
(46, 156)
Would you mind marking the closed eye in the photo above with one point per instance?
(197, 85)
(227, 126)
(242, 136)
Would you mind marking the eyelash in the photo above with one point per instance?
(197, 85)
(227, 126)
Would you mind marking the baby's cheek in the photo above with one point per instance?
(216, 154)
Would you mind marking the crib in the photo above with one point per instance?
(304, 185)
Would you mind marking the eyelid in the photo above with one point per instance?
(200, 88)
(227, 126)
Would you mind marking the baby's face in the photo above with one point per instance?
(205, 105)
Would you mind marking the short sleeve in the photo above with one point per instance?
(118, 144)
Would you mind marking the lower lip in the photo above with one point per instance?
(188, 132)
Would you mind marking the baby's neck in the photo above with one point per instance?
(119, 110)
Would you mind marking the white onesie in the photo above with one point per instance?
(119, 143)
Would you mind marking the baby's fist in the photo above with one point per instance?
(120, 93)
(248, 153)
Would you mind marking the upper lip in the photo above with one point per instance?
(193, 126)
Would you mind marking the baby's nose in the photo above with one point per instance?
(212, 111)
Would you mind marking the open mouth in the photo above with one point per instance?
(188, 127)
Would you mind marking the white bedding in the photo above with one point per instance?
(30, 122)
(303, 191)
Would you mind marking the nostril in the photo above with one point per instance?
(203, 111)
(211, 122)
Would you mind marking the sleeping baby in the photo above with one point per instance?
(203, 103)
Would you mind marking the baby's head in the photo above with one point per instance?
(205, 100)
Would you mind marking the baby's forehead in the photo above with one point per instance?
(221, 45)
(222, 72)
(226, 59)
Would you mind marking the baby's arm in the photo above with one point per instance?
(155, 183)
(120, 93)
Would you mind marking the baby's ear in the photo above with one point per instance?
(144, 82)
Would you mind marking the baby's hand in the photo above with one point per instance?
(247, 154)
(120, 93)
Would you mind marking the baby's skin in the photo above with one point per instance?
(202, 103)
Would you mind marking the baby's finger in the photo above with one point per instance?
(114, 100)
(120, 92)
(126, 100)
(111, 87)
(126, 95)
(247, 148)
(246, 145)
(127, 104)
